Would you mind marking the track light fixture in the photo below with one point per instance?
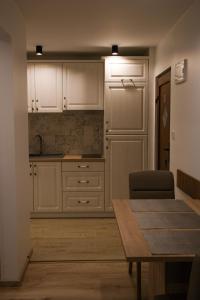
(115, 50)
(38, 50)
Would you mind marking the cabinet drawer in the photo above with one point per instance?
(83, 181)
(83, 201)
(83, 166)
(126, 69)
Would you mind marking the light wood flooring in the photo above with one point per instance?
(74, 281)
(86, 240)
(76, 239)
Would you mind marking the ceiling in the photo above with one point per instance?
(92, 26)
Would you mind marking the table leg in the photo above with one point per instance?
(130, 267)
(138, 279)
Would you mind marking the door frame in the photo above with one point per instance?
(157, 106)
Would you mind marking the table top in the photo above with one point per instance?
(136, 247)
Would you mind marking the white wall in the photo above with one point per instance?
(14, 183)
(183, 41)
(151, 109)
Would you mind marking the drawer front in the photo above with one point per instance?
(83, 181)
(83, 166)
(83, 201)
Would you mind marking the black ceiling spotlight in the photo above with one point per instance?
(115, 50)
(38, 50)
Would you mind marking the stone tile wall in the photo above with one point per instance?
(72, 132)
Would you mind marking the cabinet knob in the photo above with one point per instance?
(35, 174)
(37, 108)
(30, 174)
(32, 100)
(36, 100)
(32, 109)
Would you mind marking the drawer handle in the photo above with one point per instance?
(83, 201)
(83, 166)
(83, 181)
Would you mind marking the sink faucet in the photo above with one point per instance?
(41, 143)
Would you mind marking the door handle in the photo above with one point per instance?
(83, 181)
(83, 166)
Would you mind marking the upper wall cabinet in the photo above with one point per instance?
(83, 85)
(44, 87)
(126, 69)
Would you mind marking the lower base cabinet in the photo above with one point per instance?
(83, 186)
(67, 187)
(46, 177)
(124, 154)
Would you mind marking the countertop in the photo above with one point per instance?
(65, 158)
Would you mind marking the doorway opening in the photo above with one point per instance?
(163, 98)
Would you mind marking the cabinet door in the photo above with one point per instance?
(31, 87)
(48, 87)
(47, 187)
(122, 68)
(124, 154)
(83, 85)
(126, 108)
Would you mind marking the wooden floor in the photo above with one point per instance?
(76, 239)
(76, 280)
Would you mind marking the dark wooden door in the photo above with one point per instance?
(163, 83)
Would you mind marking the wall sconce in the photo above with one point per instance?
(115, 50)
(38, 50)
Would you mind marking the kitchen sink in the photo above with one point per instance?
(59, 155)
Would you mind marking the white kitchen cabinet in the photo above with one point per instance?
(83, 186)
(124, 154)
(125, 69)
(83, 181)
(47, 186)
(83, 201)
(126, 108)
(83, 85)
(44, 87)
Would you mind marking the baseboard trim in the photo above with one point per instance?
(18, 283)
(37, 215)
(188, 184)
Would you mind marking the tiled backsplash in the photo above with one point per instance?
(72, 132)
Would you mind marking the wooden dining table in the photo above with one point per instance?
(158, 232)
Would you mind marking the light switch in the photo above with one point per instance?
(173, 135)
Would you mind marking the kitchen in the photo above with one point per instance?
(87, 146)
(68, 126)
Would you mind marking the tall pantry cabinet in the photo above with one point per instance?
(125, 123)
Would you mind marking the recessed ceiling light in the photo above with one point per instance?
(115, 50)
(39, 50)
